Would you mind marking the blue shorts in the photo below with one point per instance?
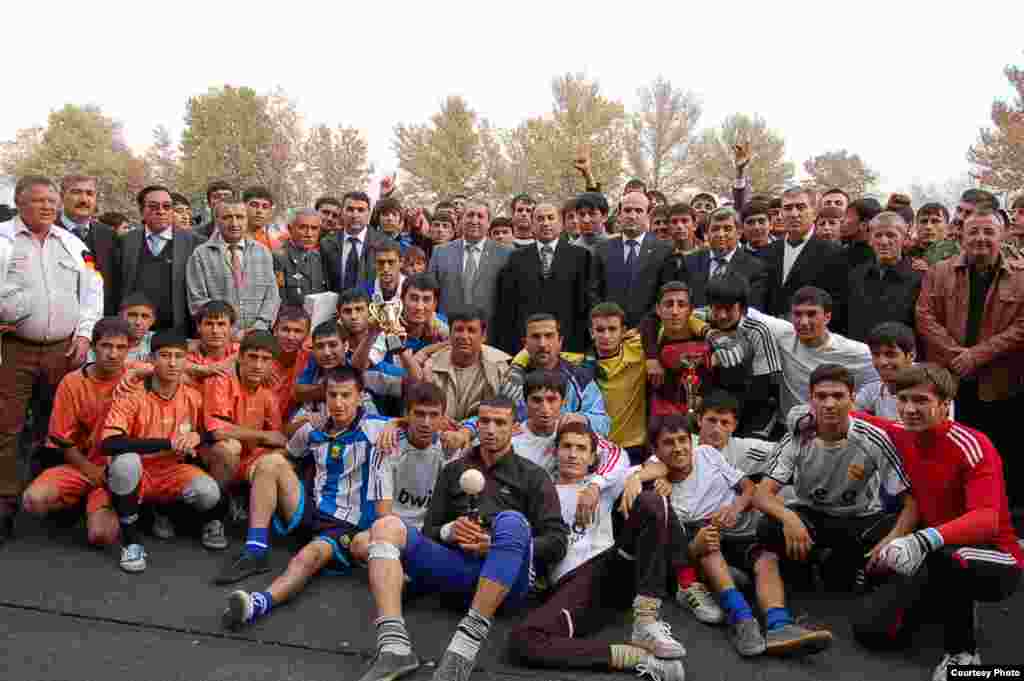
(436, 567)
(336, 533)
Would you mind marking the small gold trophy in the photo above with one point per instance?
(388, 317)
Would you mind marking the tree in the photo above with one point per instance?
(161, 159)
(542, 149)
(76, 140)
(998, 156)
(659, 136)
(283, 173)
(335, 160)
(711, 157)
(843, 170)
(228, 136)
(947, 193)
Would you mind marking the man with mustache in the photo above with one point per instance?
(78, 215)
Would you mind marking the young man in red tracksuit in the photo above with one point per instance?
(964, 548)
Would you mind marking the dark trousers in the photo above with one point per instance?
(595, 593)
(997, 420)
(27, 369)
(946, 587)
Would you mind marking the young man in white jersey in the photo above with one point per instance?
(837, 475)
(600, 576)
(334, 511)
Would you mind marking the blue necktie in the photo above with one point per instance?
(156, 244)
(351, 264)
(631, 258)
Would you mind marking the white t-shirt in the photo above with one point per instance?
(612, 461)
(408, 478)
(585, 542)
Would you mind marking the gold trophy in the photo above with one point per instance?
(388, 318)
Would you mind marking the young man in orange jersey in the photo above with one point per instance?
(291, 330)
(161, 423)
(79, 408)
(216, 352)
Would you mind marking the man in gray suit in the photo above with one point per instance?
(467, 268)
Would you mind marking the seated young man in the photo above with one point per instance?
(333, 511)
(140, 315)
(79, 410)
(485, 555)
(837, 474)
(893, 348)
(148, 434)
(711, 497)
(291, 330)
(960, 547)
(601, 575)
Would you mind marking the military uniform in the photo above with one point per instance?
(299, 273)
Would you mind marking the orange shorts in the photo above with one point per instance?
(247, 460)
(72, 486)
(164, 482)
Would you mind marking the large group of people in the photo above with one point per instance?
(570, 411)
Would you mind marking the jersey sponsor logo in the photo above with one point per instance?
(855, 471)
(405, 498)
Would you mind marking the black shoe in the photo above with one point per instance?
(6, 527)
(244, 565)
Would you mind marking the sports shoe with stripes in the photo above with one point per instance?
(661, 670)
(657, 638)
(698, 600)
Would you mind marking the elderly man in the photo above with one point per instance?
(63, 297)
(300, 272)
(152, 261)
(232, 267)
(78, 198)
(971, 316)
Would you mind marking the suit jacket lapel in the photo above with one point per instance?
(132, 246)
(180, 256)
(804, 254)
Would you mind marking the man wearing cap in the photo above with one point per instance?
(54, 271)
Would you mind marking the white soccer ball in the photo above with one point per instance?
(472, 481)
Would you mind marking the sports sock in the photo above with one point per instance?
(392, 636)
(262, 602)
(645, 609)
(257, 540)
(775, 618)
(685, 576)
(470, 634)
(626, 656)
(736, 605)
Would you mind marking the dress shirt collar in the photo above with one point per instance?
(81, 228)
(639, 240)
(361, 236)
(553, 244)
(166, 235)
(810, 235)
(726, 256)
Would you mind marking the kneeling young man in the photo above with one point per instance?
(837, 475)
(79, 408)
(485, 555)
(960, 547)
(333, 511)
(148, 434)
(600, 576)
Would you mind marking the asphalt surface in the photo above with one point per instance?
(68, 613)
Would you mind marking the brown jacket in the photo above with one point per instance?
(998, 358)
(439, 371)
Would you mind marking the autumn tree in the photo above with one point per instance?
(998, 155)
(542, 149)
(161, 159)
(843, 170)
(336, 160)
(711, 157)
(76, 140)
(659, 135)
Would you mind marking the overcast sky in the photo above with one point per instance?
(905, 84)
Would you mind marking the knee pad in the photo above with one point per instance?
(380, 550)
(203, 493)
(124, 473)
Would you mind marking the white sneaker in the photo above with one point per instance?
(661, 670)
(958, 659)
(698, 600)
(133, 558)
(163, 528)
(657, 638)
(214, 537)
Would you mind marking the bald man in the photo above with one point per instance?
(625, 271)
(549, 276)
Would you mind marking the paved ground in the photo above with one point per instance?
(67, 613)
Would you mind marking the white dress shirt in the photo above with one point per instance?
(626, 246)
(713, 265)
(790, 253)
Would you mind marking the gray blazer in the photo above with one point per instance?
(446, 266)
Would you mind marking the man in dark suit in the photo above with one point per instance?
(550, 276)
(152, 261)
(467, 269)
(348, 255)
(216, 192)
(78, 196)
(724, 255)
(800, 260)
(626, 270)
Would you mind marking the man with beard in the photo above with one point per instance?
(626, 271)
(78, 216)
(971, 316)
